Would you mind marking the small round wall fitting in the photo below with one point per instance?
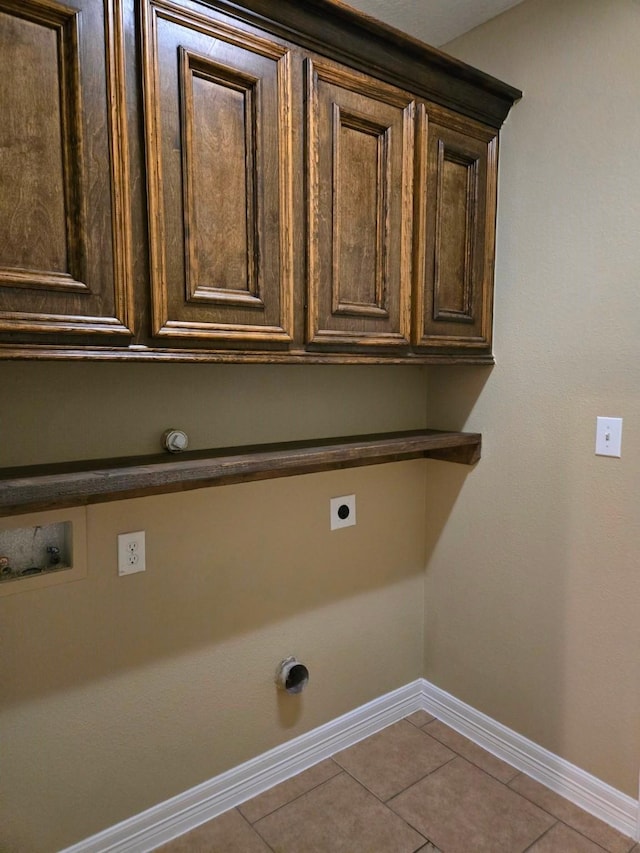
(291, 675)
(175, 440)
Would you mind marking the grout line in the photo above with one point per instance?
(560, 820)
(414, 828)
(361, 783)
(540, 837)
(293, 799)
(516, 772)
(253, 829)
(568, 826)
(422, 778)
(397, 794)
(424, 725)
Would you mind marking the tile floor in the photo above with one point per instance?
(415, 787)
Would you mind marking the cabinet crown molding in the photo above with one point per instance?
(347, 35)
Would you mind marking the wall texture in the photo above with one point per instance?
(533, 585)
(118, 693)
(60, 411)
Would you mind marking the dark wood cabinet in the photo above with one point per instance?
(218, 134)
(64, 211)
(454, 248)
(252, 181)
(360, 188)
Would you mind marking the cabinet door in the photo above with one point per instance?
(218, 136)
(456, 205)
(64, 213)
(360, 171)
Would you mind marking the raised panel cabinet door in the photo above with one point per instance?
(218, 139)
(360, 171)
(64, 212)
(455, 205)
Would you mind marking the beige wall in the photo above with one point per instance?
(59, 411)
(118, 693)
(533, 586)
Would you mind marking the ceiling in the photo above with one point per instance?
(435, 22)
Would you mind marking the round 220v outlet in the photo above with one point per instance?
(342, 511)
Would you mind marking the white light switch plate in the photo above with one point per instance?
(609, 437)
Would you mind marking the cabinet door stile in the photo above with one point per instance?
(152, 123)
(490, 236)
(121, 222)
(285, 193)
(407, 227)
(421, 194)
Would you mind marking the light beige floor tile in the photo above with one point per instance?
(472, 752)
(339, 816)
(229, 833)
(603, 834)
(462, 809)
(388, 762)
(287, 791)
(563, 839)
(420, 718)
(429, 848)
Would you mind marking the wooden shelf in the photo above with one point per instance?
(44, 487)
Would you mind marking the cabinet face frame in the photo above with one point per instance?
(71, 295)
(75, 295)
(350, 103)
(214, 310)
(456, 179)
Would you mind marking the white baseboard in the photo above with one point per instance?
(149, 829)
(583, 789)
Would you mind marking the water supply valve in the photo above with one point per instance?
(175, 440)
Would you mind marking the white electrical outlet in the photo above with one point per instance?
(131, 553)
(342, 511)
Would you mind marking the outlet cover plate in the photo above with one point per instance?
(131, 553)
(343, 511)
